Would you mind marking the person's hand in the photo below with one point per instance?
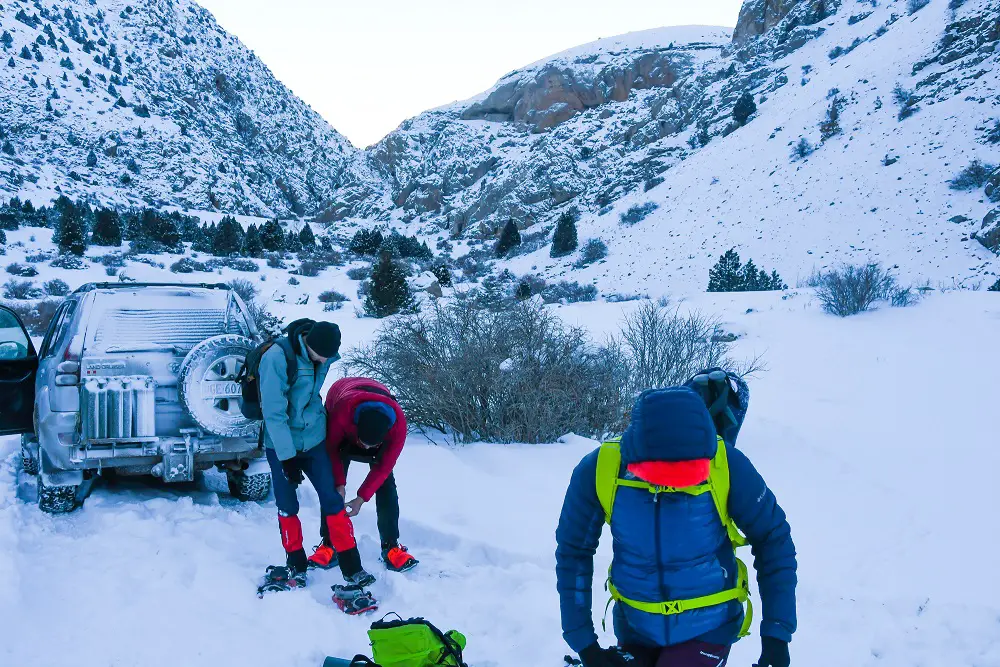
(773, 653)
(595, 656)
(293, 473)
(342, 490)
(354, 507)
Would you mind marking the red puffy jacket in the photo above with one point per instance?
(342, 402)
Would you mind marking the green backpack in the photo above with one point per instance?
(415, 643)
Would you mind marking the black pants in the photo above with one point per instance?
(386, 502)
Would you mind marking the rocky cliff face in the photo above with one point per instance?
(584, 126)
(151, 101)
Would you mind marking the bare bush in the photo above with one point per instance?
(516, 374)
(855, 289)
(22, 270)
(35, 316)
(267, 323)
(972, 177)
(56, 287)
(359, 272)
(20, 289)
(660, 347)
(568, 292)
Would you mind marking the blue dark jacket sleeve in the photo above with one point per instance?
(756, 512)
(579, 531)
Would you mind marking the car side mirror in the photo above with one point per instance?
(12, 351)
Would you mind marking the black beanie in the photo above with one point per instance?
(373, 425)
(324, 339)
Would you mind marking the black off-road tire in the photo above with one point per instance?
(56, 499)
(249, 488)
(29, 460)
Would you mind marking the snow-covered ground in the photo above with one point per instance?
(875, 432)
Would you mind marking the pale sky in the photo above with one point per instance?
(367, 66)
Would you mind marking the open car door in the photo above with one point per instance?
(18, 369)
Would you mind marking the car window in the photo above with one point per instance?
(56, 334)
(13, 340)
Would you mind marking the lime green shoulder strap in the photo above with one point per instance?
(718, 480)
(609, 463)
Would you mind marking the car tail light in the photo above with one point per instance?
(68, 374)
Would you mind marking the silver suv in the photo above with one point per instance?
(138, 378)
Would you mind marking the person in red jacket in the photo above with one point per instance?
(367, 425)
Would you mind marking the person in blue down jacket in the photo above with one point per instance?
(671, 546)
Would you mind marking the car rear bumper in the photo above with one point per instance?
(174, 458)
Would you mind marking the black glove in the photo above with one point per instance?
(595, 656)
(293, 473)
(773, 653)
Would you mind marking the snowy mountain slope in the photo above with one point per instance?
(891, 574)
(875, 190)
(151, 101)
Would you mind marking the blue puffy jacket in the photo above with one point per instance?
(673, 546)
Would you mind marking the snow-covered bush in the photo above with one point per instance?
(638, 213)
(187, 265)
(973, 176)
(359, 272)
(802, 149)
(35, 316)
(56, 287)
(331, 296)
(68, 261)
(515, 374)
(593, 250)
(914, 6)
(267, 324)
(20, 289)
(995, 287)
(855, 289)
(309, 269)
(22, 270)
(568, 292)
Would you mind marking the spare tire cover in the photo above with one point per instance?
(208, 387)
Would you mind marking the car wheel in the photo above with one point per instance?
(29, 456)
(249, 488)
(56, 499)
(208, 387)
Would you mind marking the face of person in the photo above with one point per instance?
(315, 357)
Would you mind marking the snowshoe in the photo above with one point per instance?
(353, 599)
(279, 578)
(398, 559)
(324, 558)
(361, 579)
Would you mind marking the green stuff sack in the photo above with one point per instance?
(415, 643)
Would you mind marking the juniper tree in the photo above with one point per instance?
(71, 231)
(107, 228)
(272, 237)
(228, 238)
(252, 246)
(564, 240)
(725, 275)
(744, 108)
(306, 236)
(510, 238)
(388, 292)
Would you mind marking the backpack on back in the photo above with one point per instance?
(249, 375)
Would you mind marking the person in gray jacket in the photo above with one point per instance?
(292, 373)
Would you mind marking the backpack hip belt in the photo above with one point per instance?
(608, 481)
